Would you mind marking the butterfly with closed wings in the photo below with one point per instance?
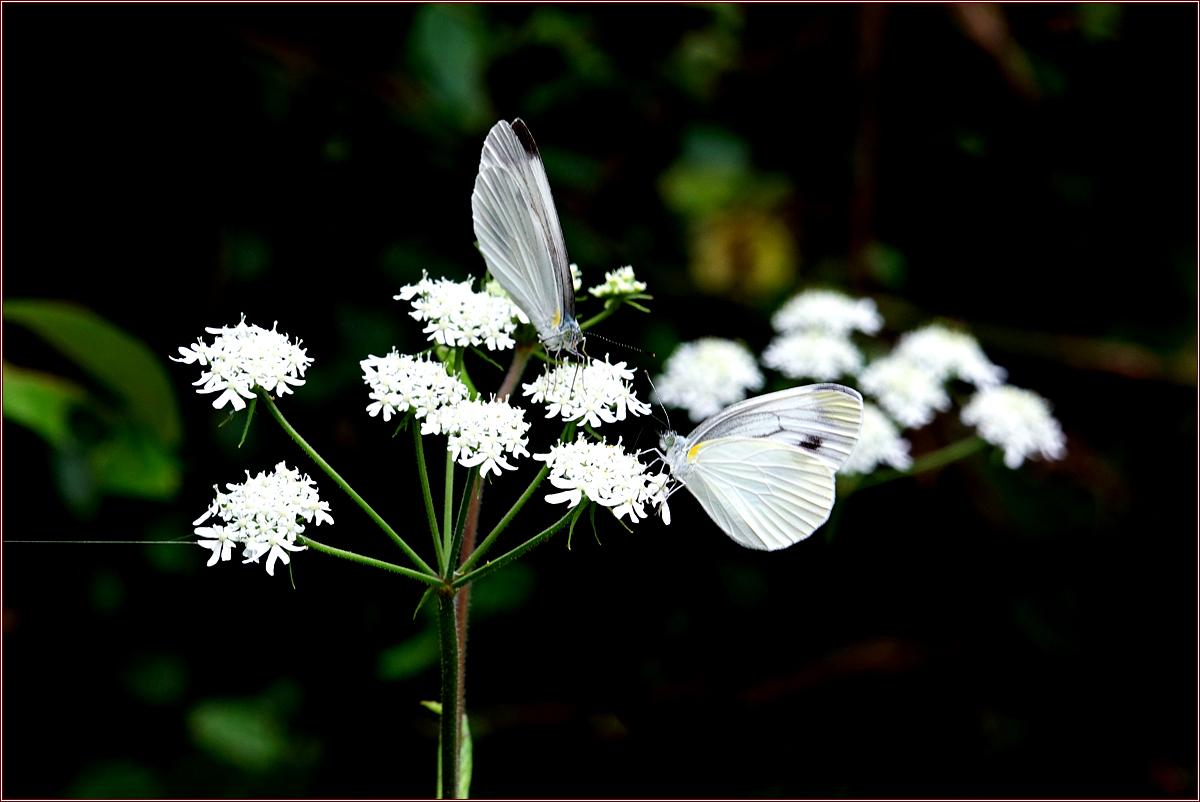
(763, 469)
(519, 235)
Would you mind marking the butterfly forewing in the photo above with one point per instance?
(822, 419)
(764, 494)
(517, 227)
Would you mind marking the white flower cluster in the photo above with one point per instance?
(400, 382)
(826, 310)
(949, 354)
(576, 276)
(909, 382)
(478, 432)
(457, 316)
(879, 443)
(618, 282)
(1019, 421)
(909, 393)
(263, 515)
(243, 357)
(818, 355)
(481, 433)
(598, 393)
(815, 331)
(707, 375)
(607, 475)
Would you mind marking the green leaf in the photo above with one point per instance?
(41, 402)
(249, 417)
(121, 362)
(133, 462)
(466, 751)
(424, 598)
(636, 306)
(410, 658)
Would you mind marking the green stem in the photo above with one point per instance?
(447, 517)
(536, 540)
(464, 507)
(450, 718)
(371, 561)
(287, 427)
(423, 470)
(568, 431)
(924, 463)
(606, 312)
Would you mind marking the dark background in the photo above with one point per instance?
(1027, 170)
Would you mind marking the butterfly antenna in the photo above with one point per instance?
(622, 345)
(660, 403)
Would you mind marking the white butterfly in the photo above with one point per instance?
(763, 469)
(520, 237)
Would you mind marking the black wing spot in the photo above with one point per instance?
(811, 442)
(525, 138)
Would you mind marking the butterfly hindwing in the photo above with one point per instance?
(762, 493)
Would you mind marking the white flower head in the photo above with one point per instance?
(813, 354)
(243, 357)
(598, 393)
(400, 382)
(457, 316)
(576, 276)
(618, 282)
(909, 393)
(829, 311)
(707, 375)
(1019, 421)
(879, 443)
(947, 353)
(264, 515)
(607, 475)
(481, 433)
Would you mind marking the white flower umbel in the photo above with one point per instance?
(400, 382)
(946, 354)
(879, 443)
(1019, 421)
(243, 357)
(457, 316)
(618, 282)
(826, 310)
(264, 515)
(910, 394)
(813, 354)
(576, 276)
(598, 393)
(607, 475)
(707, 375)
(481, 433)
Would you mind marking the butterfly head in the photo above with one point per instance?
(566, 337)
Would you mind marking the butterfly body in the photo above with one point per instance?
(520, 237)
(763, 469)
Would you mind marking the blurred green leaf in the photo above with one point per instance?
(446, 48)
(159, 679)
(244, 732)
(119, 361)
(414, 656)
(1099, 22)
(41, 402)
(116, 779)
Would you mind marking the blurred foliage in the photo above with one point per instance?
(121, 440)
(1025, 170)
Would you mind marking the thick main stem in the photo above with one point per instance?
(451, 718)
(462, 599)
